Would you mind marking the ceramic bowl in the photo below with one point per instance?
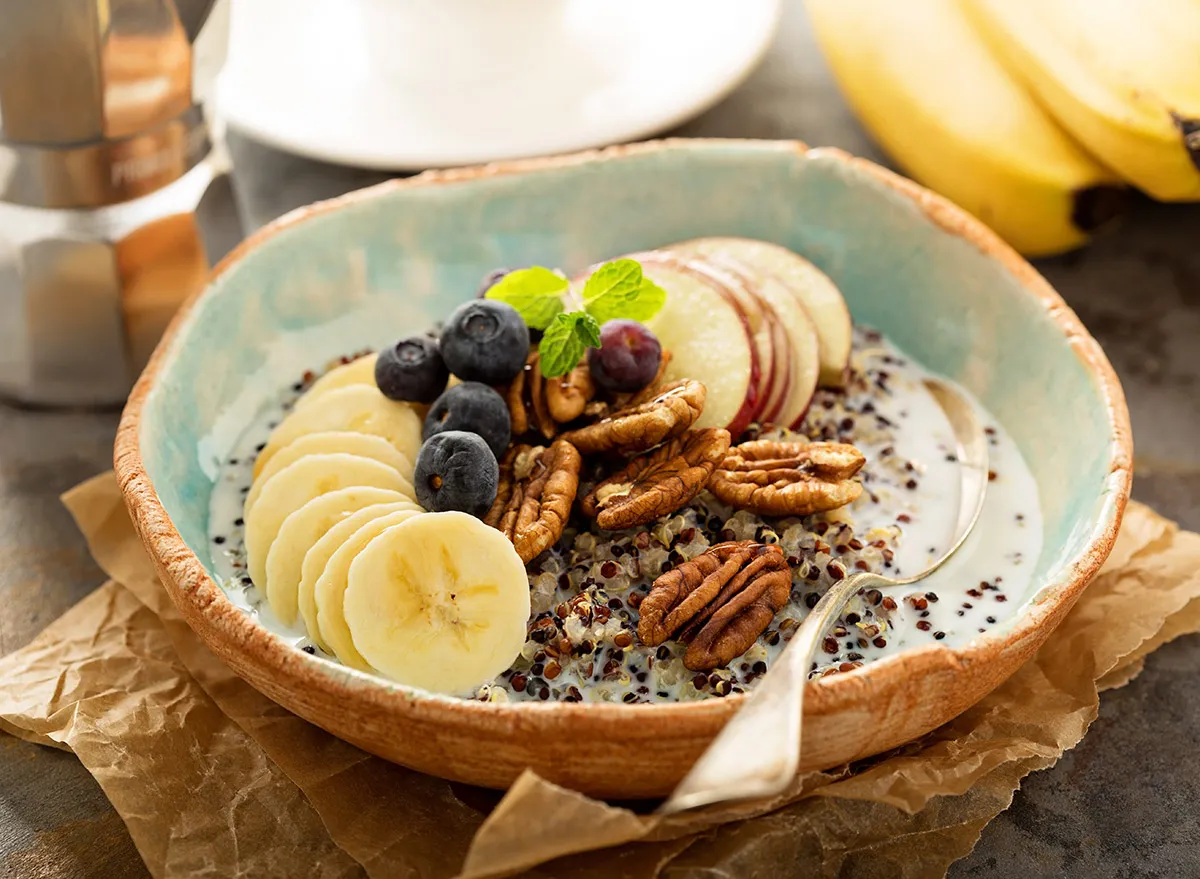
(359, 270)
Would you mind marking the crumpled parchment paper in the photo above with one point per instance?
(214, 779)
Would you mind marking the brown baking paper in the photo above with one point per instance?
(199, 797)
(213, 778)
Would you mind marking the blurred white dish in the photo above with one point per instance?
(402, 84)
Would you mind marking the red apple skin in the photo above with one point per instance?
(803, 361)
(811, 390)
(781, 348)
(828, 309)
(752, 404)
(813, 373)
(783, 385)
(755, 398)
(778, 378)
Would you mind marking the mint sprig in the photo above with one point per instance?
(566, 341)
(616, 290)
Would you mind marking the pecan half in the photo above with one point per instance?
(658, 483)
(637, 428)
(518, 413)
(537, 488)
(788, 479)
(541, 404)
(568, 395)
(536, 383)
(719, 602)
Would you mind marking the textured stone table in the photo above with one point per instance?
(1125, 803)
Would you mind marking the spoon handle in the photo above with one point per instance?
(758, 751)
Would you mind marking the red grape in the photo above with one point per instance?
(627, 359)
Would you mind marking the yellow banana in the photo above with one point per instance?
(1123, 76)
(932, 93)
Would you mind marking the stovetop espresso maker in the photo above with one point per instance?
(106, 159)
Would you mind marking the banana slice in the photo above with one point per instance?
(357, 408)
(331, 588)
(318, 557)
(440, 602)
(360, 371)
(362, 444)
(294, 486)
(301, 530)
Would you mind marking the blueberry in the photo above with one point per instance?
(627, 359)
(412, 370)
(489, 281)
(475, 408)
(456, 471)
(485, 341)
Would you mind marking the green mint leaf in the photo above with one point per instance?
(535, 292)
(646, 302)
(565, 342)
(588, 329)
(618, 289)
(621, 277)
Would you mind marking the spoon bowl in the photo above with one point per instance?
(764, 738)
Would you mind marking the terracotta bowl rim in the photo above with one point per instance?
(189, 583)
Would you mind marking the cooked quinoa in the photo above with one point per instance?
(583, 644)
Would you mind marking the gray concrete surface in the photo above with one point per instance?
(1125, 803)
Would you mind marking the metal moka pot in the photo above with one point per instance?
(105, 163)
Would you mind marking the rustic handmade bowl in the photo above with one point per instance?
(360, 270)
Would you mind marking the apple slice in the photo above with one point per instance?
(710, 340)
(771, 338)
(764, 326)
(775, 395)
(802, 339)
(815, 291)
(805, 349)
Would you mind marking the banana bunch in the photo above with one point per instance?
(1033, 115)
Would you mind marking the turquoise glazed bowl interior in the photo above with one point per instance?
(390, 261)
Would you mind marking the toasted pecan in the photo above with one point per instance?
(518, 412)
(568, 395)
(540, 404)
(533, 502)
(659, 482)
(536, 385)
(788, 479)
(636, 428)
(719, 602)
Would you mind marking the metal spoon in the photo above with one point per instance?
(757, 754)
